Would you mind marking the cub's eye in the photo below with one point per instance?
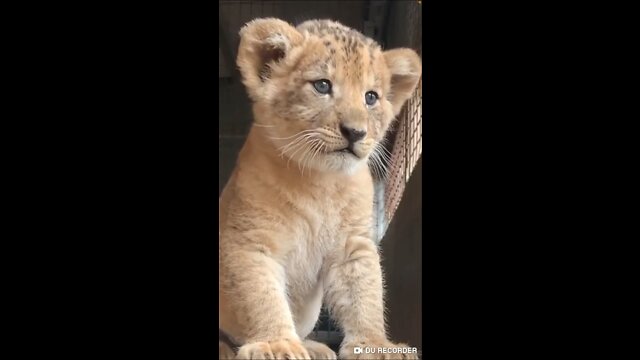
(322, 86)
(371, 97)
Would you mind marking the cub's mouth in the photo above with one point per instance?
(347, 150)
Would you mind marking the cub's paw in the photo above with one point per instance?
(377, 350)
(319, 350)
(278, 349)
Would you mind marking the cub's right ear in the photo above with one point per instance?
(263, 44)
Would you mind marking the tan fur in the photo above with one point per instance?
(295, 217)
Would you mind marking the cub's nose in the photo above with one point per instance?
(352, 134)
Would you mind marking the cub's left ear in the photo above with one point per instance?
(264, 43)
(406, 68)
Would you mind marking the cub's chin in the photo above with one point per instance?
(341, 161)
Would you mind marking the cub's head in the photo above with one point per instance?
(324, 94)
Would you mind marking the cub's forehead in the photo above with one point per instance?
(346, 49)
(339, 32)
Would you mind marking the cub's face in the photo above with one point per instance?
(324, 95)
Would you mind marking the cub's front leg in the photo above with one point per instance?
(354, 294)
(252, 286)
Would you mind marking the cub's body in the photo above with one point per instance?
(296, 215)
(309, 220)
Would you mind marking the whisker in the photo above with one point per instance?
(322, 145)
(313, 150)
(372, 168)
(294, 144)
(380, 167)
(384, 148)
(304, 143)
(286, 147)
(319, 145)
(292, 136)
(384, 153)
(376, 166)
(388, 162)
(305, 153)
(308, 151)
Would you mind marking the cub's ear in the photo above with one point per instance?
(405, 67)
(263, 43)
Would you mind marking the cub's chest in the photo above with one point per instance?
(316, 219)
(322, 214)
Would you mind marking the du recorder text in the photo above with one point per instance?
(383, 350)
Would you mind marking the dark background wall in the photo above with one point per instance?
(402, 264)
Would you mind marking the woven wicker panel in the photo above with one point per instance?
(407, 149)
(407, 144)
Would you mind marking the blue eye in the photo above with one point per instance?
(322, 86)
(371, 97)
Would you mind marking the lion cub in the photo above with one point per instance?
(295, 217)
